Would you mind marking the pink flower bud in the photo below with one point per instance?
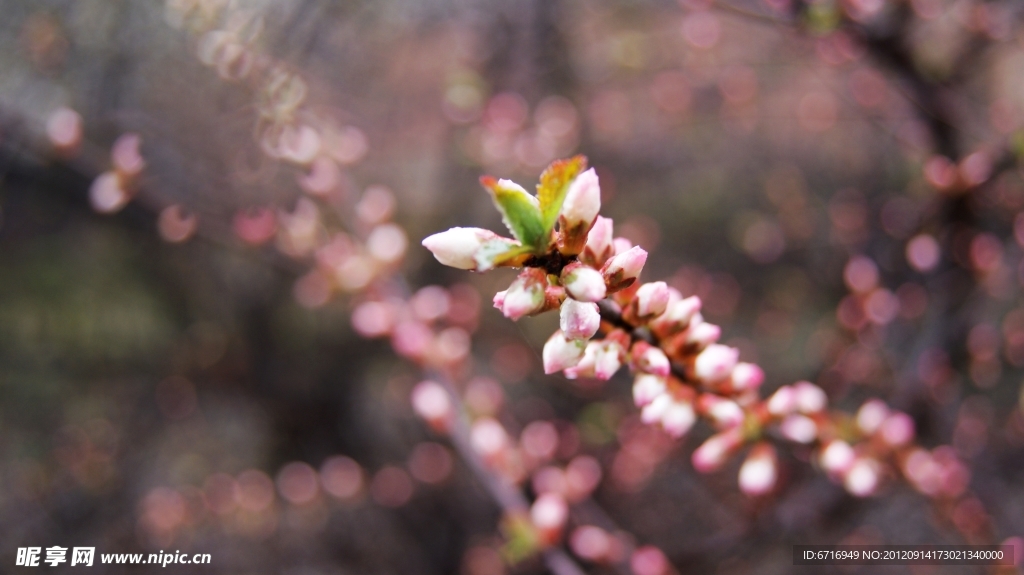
(724, 412)
(560, 353)
(579, 320)
(650, 359)
(590, 543)
(549, 514)
(651, 299)
(715, 363)
(457, 247)
(526, 294)
(431, 402)
(897, 429)
(799, 428)
(782, 402)
(583, 283)
(599, 243)
(621, 245)
(702, 334)
(677, 316)
(655, 410)
(582, 201)
(715, 451)
(837, 457)
(759, 471)
(623, 269)
(499, 300)
(601, 359)
(871, 415)
(863, 477)
(809, 397)
(746, 376)
(678, 418)
(646, 388)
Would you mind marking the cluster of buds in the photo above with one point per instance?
(682, 375)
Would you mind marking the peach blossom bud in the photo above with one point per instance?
(714, 452)
(862, 478)
(599, 243)
(582, 201)
(897, 429)
(837, 457)
(656, 409)
(650, 359)
(526, 294)
(431, 402)
(678, 418)
(871, 415)
(549, 514)
(601, 359)
(759, 471)
(621, 245)
(747, 376)
(579, 320)
(583, 283)
(809, 397)
(799, 428)
(581, 477)
(715, 363)
(677, 316)
(64, 129)
(561, 353)
(724, 412)
(623, 269)
(702, 334)
(499, 300)
(457, 247)
(782, 402)
(646, 387)
(488, 437)
(651, 299)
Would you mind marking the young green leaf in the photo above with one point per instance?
(554, 183)
(520, 212)
(498, 252)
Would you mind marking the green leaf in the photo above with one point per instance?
(494, 253)
(520, 212)
(554, 184)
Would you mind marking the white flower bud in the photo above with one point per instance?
(582, 201)
(599, 248)
(560, 353)
(678, 418)
(623, 269)
(759, 471)
(526, 294)
(583, 283)
(579, 320)
(457, 247)
(651, 299)
(646, 388)
(715, 363)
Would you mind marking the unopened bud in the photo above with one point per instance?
(650, 359)
(488, 438)
(526, 294)
(678, 418)
(809, 397)
(862, 478)
(746, 376)
(457, 247)
(782, 402)
(724, 412)
(703, 334)
(623, 269)
(651, 299)
(897, 429)
(677, 316)
(655, 410)
(799, 428)
(871, 415)
(837, 457)
(715, 363)
(579, 320)
(598, 248)
(715, 451)
(579, 210)
(759, 471)
(561, 353)
(601, 359)
(647, 387)
(583, 283)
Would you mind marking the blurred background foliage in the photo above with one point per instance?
(752, 147)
